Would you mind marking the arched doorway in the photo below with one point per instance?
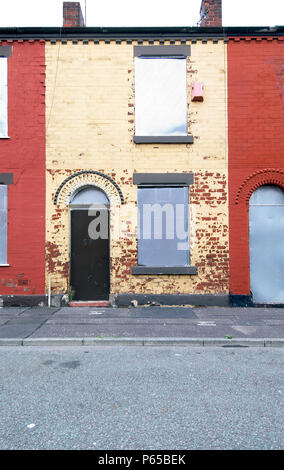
(90, 247)
(266, 225)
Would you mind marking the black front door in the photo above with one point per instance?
(90, 276)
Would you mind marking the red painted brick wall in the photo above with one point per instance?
(24, 156)
(255, 140)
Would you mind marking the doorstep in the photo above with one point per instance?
(89, 303)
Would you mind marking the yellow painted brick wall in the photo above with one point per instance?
(90, 126)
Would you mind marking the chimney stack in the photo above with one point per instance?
(72, 15)
(211, 13)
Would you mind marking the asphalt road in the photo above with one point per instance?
(141, 398)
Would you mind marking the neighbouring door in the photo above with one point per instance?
(266, 223)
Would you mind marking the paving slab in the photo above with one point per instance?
(24, 322)
(141, 322)
(273, 322)
(131, 322)
(134, 330)
(12, 310)
(144, 312)
(17, 331)
(258, 331)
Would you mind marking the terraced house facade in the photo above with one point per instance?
(22, 168)
(136, 160)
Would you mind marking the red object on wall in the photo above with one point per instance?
(197, 91)
(255, 138)
(23, 154)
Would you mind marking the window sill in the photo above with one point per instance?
(178, 139)
(163, 270)
(3, 265)
(4, 137)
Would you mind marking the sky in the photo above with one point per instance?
(138, 13)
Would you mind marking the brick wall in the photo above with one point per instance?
(23, 154)
(211, 13)
(72, 15)
(256, 138)
(91, 127)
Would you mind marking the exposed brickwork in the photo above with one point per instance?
(211, 13)
(256, 179)
(97, 303)
(72, 15)
(57, 246)
(84, 178)
(100, 137)
(24, 156)
(256, 138)
(208, 246)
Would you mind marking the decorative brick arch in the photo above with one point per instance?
(86, 178)
(257, 179)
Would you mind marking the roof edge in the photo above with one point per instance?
(136, 32)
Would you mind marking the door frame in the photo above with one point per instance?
(87, 207)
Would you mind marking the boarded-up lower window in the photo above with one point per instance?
(3, 224)
(163, 234)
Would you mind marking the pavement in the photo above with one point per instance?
(144, 326)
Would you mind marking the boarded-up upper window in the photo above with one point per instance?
(160, 96)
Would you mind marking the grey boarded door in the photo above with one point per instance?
(266, 224)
